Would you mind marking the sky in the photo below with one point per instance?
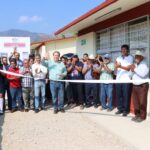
(43, 16)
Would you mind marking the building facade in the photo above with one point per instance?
(111, 24)
(63, 45)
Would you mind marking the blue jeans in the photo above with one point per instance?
(57, 90)
(16, 95)
(39, 90)
(106, 92)
(123, 93)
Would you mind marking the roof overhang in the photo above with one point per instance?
(37, 45)
(104, 11)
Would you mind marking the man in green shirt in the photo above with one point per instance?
(57, 71)
(106, 73)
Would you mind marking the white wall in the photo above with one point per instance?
(89, 47)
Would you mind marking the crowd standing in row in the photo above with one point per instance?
(38, 72)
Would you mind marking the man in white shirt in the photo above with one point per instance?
(140, 89)
(39, 73)
(122, 65)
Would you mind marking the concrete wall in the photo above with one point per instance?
(86, 44)
(63, 46)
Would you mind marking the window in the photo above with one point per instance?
(117, 37)
(103, 40)
(138, 34)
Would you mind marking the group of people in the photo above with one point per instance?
(27, 90)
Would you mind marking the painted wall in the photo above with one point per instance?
(86, 44)
(63, 46)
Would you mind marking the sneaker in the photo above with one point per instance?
(118, 112)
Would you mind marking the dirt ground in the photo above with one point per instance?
(48, 131)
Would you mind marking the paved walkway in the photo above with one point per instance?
(74, 130)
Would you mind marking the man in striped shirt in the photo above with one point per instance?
(27, 86)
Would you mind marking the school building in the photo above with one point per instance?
(113, 23)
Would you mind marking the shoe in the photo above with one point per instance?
(102, 108)
(55, 111)
(1, 112)
(124, 114)
(87, 105)
(43, 108)
(118, 112)
(36, 110)
(73, 105)
(135, 118)
(32, 108)
(138, 120)
(62, 110)
(95, 106)
(81, 107)
(21, 110)
(13, 110)
(26, 110)
(109, 110)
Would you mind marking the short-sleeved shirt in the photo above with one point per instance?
(75, 74)
(25, 81)
(125, 61)
(105, 75)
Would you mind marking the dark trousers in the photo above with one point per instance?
(7, 89)
(77, 90)
(69, 93)
(140, 100)
(123, 93)
(91, 93)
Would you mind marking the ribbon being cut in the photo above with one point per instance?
(84, 81)
(14, 74)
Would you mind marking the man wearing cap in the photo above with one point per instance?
(90, 88)
(140, 89)
(106, 73)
